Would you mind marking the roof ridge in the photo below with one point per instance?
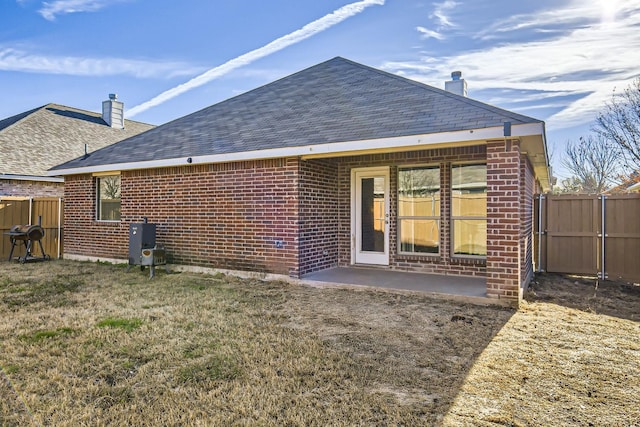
(255, 89)
(462, 98)
(25, 114)
(470, 101)
(97, 113)
(17, 118)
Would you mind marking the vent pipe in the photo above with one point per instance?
(113, 112)
(457, 84)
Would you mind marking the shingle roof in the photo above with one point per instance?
(34, 141)
(335, 101)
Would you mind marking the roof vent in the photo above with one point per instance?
(457, 84)
(113, 112)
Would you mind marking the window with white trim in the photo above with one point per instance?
(108, 198)
(469, 210)
(419, 210)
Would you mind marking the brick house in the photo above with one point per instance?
(34, 141)
(339, 164)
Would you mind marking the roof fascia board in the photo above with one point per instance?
(527, 129)
(330, 150)
(50, 178)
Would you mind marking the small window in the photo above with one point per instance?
(419, 210)
(469, 210)
(108, 200)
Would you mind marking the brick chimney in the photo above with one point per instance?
(113, 112)
(457, 84)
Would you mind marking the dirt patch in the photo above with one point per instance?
(611, 298)
(415, 350)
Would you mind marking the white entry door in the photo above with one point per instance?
(370, 216)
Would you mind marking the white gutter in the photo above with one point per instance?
(49, 178)
(546, 157)
(319, 150)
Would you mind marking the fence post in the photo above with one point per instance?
(59, 224)
(602, 274)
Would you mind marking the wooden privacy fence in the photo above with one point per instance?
(588, 234)
(22, 210)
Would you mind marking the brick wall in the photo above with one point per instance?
(318, 215)
(503, 219)
(235, 215)
(14, 187)
(82, 234)
(239, 216)
(442, 264)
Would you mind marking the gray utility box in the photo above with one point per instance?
(141, 236)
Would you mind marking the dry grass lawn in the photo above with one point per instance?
(90, 344)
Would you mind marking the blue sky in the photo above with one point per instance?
(555, 60)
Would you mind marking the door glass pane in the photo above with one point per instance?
(372, 211)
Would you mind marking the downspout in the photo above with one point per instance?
(30, 210)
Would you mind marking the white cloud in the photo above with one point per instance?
(17, 60)
(440, 13)
(49, 10)
(297, 36)
(587, 60)
(442, 21)
(427, 33)
(574, 14)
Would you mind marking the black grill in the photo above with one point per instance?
(28, 235)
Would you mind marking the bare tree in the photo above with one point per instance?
(619, 124)
(569, 185)
(593, 161)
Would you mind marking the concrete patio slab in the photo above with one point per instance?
(474, 287)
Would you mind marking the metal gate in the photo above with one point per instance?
(588, 234)
(25, 210)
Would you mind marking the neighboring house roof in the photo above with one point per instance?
(314, 110)
(34, 141)
(630, 184)
(635, 188)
